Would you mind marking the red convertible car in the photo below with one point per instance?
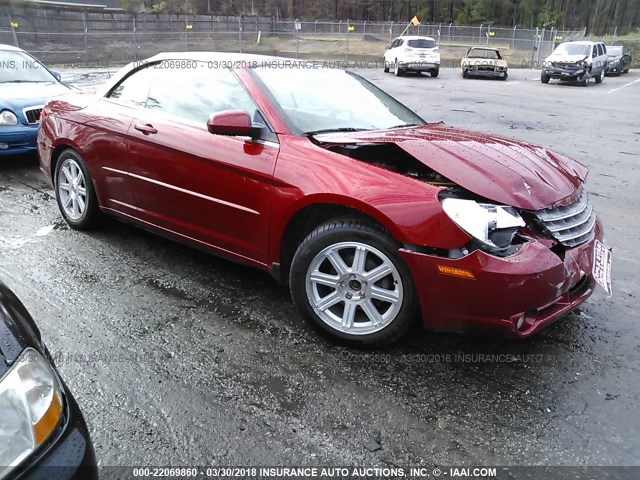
(372, 216)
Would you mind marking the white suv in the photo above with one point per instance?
(411, 53)
(576, 61)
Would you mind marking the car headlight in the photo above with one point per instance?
(31, 407)
(8, 118)
(492, 225)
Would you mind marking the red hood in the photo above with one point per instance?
(501, 169)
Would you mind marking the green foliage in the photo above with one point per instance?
(598, 16)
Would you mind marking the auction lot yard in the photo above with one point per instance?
(180, 358)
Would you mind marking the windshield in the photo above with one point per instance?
(483, 53)
(421, 43)
(572, 49)
(615, 51)
(20, 67)
(313, 100)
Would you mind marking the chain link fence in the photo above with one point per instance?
(81, 38)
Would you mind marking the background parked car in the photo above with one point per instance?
(413, 54)
(576, 62)
(619, 59)
(25, 85)
(484, 62)
(42, 432)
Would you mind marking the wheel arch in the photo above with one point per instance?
(313, 214)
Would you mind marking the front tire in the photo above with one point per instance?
(600, 77)
(544, 78)
(349, 281)
(386, 66)
(465, 74)
(74, 190)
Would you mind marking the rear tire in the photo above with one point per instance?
(435, 72)
(396, 70)
(74, 191)
(349, 281)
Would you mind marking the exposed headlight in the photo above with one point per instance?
(30, 408)
(8, 118)
(492, 225)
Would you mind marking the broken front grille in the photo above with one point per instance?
(32, 114)
(571, 224)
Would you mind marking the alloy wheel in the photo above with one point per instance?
(354, 288)
(72, 189)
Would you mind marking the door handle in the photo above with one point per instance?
(147, 129)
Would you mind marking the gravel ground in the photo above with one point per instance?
(177, 357)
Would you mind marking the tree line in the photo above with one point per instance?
(598, 16)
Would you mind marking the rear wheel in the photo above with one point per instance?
(75, 194)
(349, 281)
(544, 78)
(396, 70)
(435, 72)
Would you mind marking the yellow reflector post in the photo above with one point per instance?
(456, 272)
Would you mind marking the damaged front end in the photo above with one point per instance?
(524, 264)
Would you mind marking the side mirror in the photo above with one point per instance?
(387, 47)
(231, 123)
(56, 75)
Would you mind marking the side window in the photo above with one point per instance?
(194, 94)
(594, 53)
(604, 48)
(133, 89)
(600, 49)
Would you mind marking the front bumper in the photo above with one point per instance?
(486, 73)
(18, 139)
(614, 69)
(562, 73)
(534, 282)
(69, 455)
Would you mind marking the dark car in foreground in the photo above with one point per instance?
(25, 85)
(619, 60)
(42, 432)
(371, 215)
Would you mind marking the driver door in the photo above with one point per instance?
(209, 189)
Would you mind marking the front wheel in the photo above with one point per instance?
(600, 77)
(465, 74)
(386, 66)
(75, 194)
(348, 280)
(544, 78)
(505, 76)
(435, 72)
